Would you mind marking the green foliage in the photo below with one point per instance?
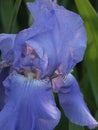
(91, 58)
(6, 8)
(74, 127)
(90, 18)
(9, 10)
(14, 15)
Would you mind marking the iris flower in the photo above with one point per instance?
(36, 63)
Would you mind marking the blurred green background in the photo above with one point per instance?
(14, 16)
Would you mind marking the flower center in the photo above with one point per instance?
(31, 71)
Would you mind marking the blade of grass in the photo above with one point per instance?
(96, 115)
(75, 127)
(90, 17)
(91, 58)
(6, 8)
(63, 124)
(14, 15)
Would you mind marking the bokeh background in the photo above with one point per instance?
(14, 16)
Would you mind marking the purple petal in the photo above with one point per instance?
(30, 105)
(6, 46)
(45, 49)
(3, 75)
(41, 11)
(33, 55)
(58, 32)
(43, 24)
(70, 38)
(68, 34)
(73, 104)
(39, 37)
(37, 6)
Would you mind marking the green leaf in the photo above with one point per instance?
(6, 7)
(96, 116)
(8, 14)
(63, 124)
(14, 15)
(75, 127)
(90, 18)
(91, 58)
(28, 0)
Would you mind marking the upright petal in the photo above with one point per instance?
(6, 46)
(58, 32)
(39, 36)
(70, 36)
(73, 104)
(68, 33)
(41, 11)
(30, 105)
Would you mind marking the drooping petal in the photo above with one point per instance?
(73, 104)
(6, 47)
(30, 105)
(3, 75)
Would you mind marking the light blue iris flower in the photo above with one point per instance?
(36, 63)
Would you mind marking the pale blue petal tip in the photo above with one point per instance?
(73, 104)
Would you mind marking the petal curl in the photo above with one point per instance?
(45, 49)
(33, 55)
(6, 47)
(73, 104)
(30, 105)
